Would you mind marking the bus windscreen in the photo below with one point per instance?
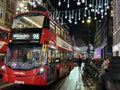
(25, 57)
(33, 20)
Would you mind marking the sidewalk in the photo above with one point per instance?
(75, 81)
(82, 84)
(71, 81)
(85, 84)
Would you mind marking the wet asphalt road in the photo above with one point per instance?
(71, 82)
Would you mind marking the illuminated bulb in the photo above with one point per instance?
(79, 18)
(78, 3)
(102, 10)
(83, 1)
(102, 16)
(18, 9)
(105, 4)
(62, 23)
(85, 15)
(105, 13)
(99, 20)
(21, 10)
(95, 18)
(39, 2)
(17, 12)
(72, 17)
(100, 6)
(98, 12)
(65, 17)
(88, 20)
(59, 3)
(30, 3)
(68, 5)
(90, 5)
(57, 18)
(86, 8)
(92, 10)
(89, 17)
(75, 22)
(70, 21)
(25, 7)
(34, 5)
(83, 21)
(107, 7)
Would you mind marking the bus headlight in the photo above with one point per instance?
(41, 70)
(3, 68)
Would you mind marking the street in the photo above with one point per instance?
(72, 82)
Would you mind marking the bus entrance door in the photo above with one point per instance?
(50, 72)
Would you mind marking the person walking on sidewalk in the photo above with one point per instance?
(105, 64)
(110, 80)
(79, 62)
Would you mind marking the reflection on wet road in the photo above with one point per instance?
(71, 82)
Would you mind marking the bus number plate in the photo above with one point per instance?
(19, 82)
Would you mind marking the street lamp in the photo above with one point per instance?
(88, 23)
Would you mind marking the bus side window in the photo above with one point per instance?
(52, 27)
(58, 31)
(61, 34)
(49, 57)
(57, 56)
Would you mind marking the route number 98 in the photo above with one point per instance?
(35, 36)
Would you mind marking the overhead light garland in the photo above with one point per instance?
(91, 9)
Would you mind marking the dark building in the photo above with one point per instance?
(103, 36)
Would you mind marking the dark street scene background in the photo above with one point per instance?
(57, 44)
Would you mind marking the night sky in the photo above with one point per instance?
(79, 30)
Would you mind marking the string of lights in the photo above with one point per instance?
(88, 9)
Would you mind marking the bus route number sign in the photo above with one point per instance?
(35, 36)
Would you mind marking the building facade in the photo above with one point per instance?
(103, 37)
(97, 41)
(116, 27)
(7, 9)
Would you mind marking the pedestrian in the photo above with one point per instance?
(79, 62)
(110, 80)
(105, 64)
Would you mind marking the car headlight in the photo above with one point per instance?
(41, 70)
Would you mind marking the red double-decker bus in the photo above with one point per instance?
(40, 51)
(4, 39)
